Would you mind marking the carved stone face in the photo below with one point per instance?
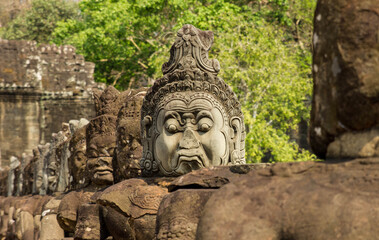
(191, 135)
(99, 163)
(52, 179)
(78, 163)
(77, 160)
(129, 149)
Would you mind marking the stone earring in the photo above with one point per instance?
(148, 164)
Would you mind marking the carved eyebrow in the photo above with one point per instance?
(92, 147)
(202, 114)
(173, 114)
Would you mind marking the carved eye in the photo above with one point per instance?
(205, 124)
(93, 153)
(111, 151)
(172, 128)
(172, 125)
(51, 172)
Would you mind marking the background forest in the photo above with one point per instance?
(263, 46)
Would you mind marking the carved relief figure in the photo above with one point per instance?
(190, 118)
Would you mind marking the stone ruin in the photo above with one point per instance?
(184, 176)
(40, 86)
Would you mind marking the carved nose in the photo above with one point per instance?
(189, 140)
(102, 162)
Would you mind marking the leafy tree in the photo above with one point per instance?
(39, 21)
(263, 48)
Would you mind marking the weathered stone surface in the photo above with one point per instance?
(355, 144)
(297, 201)
(69, 206)
(89, 223)
(4, 181)
(179, 213)
(50, 229)
(25, 64)
(24, 225)
(130, 208)
(214, 177)
(180, 210)
(345, 71)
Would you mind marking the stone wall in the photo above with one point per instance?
(40, 87)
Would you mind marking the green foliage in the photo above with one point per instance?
(39, 21)
(263, 48)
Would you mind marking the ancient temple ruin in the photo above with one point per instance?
(40, 87)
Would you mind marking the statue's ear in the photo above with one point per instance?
(145, 126)
(147, 162)
(237, 151)
(96, 98)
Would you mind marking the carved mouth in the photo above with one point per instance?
(103, 171)
(188, 163)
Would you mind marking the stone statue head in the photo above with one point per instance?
(107, 101)
(129, 148)
(38, 184)
(78, 159)
(101, 136)
(52, 176)
(190, 118)
(53, 162)
(101, 143)
(28, 176)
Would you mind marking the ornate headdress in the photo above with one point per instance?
(189, 69)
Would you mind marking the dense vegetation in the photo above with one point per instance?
(263, 47)
(39, 21)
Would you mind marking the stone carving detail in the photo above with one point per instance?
(190, 117)
(190, 50)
